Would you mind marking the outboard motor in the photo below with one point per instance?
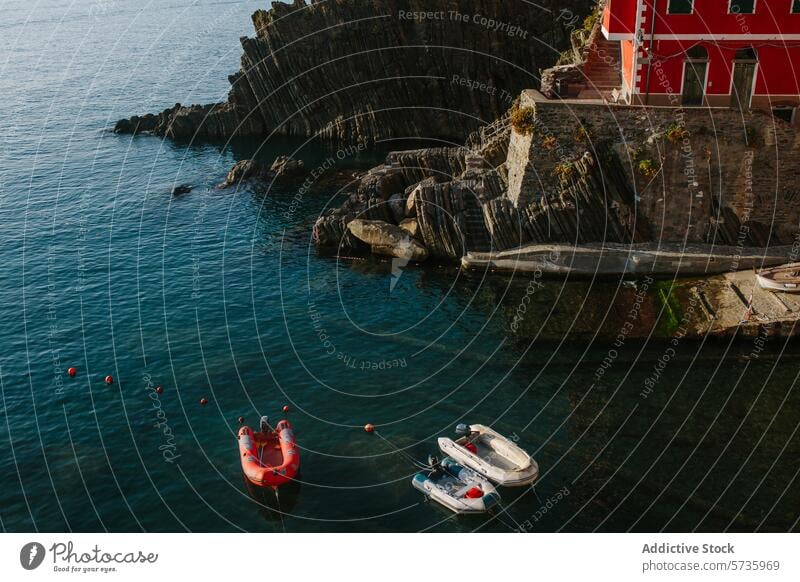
(265, 424)
(462, 429)
(435, 465)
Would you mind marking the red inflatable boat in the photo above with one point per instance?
(269, 458)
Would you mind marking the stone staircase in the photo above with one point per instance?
(602, 67)
(475, 227)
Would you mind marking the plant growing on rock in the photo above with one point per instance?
(564, 171)
(594, 16)
(523, 120)
(676, 133)
(647, 168)
(549, 142)
(583, 134)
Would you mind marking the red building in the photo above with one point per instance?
(717, 53)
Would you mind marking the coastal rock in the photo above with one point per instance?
(441, 189)
(382, 70)
(245, 170)
(286, 167)
(283, 167)
(411, 226)
(182, 189)
(215, 121)
(388, 239)
(397, 204)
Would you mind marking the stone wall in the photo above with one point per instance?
(719, 176)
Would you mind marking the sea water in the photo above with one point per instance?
(220, 294)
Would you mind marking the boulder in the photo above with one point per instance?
(286, 167)
(397, 204)
(182, 189)
(283, 167)
(388, 239)
(411, 204)
(411, 226)
(244, 170)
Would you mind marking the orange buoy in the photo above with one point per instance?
(72, 372)
(109, 379)
(203, 401)
(159, 389)
(286, 408)
(369, 428)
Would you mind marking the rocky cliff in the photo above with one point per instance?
(586, 171)
(367, 70)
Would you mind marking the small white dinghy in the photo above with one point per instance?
(457, 488)
(491, 455)
(785, 278)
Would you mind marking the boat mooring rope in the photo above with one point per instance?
(495, 512)
(280, 511)
(417, 464)
(495, 515)
(533, 488)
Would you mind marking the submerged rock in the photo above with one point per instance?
(182, 189)
(387, 239)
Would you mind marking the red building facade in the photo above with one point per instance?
(716, 53)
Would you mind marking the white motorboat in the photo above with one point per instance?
(785, 278)
(458, 488)
(491, 455)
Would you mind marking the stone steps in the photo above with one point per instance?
(602, 69)
(477, 237)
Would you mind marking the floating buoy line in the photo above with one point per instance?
(463, 481)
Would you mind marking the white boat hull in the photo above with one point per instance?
(772, 285)
(450, 487)
(496, 458)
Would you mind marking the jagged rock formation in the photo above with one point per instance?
(442, 193)
(364, 70)
(283, 167)
(584, 172)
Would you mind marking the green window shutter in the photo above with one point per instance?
(680, 6)
(743, 6)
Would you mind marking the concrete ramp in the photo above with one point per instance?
(631, 261)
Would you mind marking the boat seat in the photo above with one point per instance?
(462, 491)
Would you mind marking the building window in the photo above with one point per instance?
(742, 7)
(795, 6)
(784, 112)
(746, 54)
(680, 6)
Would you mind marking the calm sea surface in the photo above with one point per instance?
(220, 294)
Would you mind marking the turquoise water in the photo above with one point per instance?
(221, 295)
